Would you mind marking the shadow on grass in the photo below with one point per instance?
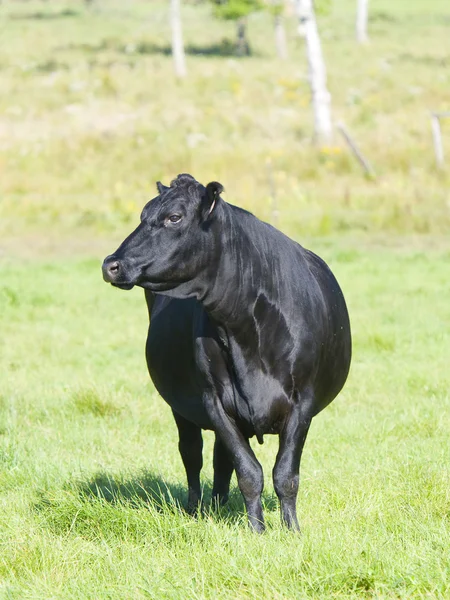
(151, 489)
(44, 16)
(428, 61)
(381, 16)
(225, 48)
(147, 487)
(103, 507)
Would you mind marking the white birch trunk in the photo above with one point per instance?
(321, 99)
(177, 39)
(362, 18)
(301, 16)
(280, 38)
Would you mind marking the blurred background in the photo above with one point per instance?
(92, 113)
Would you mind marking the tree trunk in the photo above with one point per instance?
(242, 45)
(321, 99)
(301, 16)
(280, 38)
(361, 21)
(177, 39)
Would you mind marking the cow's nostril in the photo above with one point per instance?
(113, 268)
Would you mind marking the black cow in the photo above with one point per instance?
(249, 335)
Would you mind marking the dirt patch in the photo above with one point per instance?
(37, 247)
(73, 119)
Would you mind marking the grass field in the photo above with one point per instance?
(91, 482)
(86, 445)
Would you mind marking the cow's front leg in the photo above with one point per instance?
(190, 446)
(248, 470)
(223, 470)
(287, 465)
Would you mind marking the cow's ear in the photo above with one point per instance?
(161, 187)
(213, 191)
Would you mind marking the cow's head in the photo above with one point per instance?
(174, 241)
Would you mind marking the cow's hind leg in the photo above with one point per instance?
(248, 470)
(223, 470)
(287, 465)
(190, 446)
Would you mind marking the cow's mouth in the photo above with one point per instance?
(123, 286)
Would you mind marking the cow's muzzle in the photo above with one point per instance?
(113, 272)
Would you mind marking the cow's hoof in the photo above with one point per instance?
(193, 509)
(257, 526)
(217, 501)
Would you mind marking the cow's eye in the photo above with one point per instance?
(174, 218)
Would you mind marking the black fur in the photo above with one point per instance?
(249, 335)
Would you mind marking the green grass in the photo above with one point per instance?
(91, 483)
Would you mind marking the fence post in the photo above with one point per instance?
(437, 140)
(356, 151)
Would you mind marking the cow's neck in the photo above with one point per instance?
(245, 274)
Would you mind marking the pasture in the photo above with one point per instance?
(91, 481)
(91, 116)
(90, 467)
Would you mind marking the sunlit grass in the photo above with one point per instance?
(92, 486)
